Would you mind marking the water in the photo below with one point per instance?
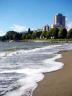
(22, 65)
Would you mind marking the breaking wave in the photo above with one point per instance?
(22, 69)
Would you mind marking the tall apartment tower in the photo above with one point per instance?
(59, 20)
(46, 28)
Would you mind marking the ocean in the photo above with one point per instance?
(23, 64)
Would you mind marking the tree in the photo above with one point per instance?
(23, 36)
(51, 32)
(62, 33)
(28, 36)
(44, 34)
(54, 32)
(12, 35)
(2, 38)
(34, 35)
(48, 35)
(69, 35)
(38, 34)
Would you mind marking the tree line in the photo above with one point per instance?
(53, 33)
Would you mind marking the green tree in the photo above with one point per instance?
(23, 36)
(34, 35)
(3, 38)
(11, 35)
(44, 34)
(69, 34)
(53, 32)
(38, 34)
(28, 36)
(62, 33)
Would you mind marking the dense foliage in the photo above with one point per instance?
(54, 33)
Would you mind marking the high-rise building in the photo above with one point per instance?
(59, 20)
(46, 28)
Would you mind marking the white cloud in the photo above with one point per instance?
(69, 25)
(2, 33)
(18, 28)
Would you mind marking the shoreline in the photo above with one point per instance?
(41, 40)
(57, 83)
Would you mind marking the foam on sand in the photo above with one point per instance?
(28, 84)
(31, 67)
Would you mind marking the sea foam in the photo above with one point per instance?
(35, 72)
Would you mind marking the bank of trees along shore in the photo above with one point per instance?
(54, 33)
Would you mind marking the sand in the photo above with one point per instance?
(57, 83)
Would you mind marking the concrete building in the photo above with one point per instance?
(59, 21)
(46, 28)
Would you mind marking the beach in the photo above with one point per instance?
(58, 83)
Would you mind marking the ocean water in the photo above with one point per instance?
(22, 65)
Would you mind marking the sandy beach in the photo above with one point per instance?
(57, 83)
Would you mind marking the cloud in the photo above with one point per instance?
(2, 33)
(18, 28)
(69, 25)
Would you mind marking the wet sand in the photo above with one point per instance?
(57, 83)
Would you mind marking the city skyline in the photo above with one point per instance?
(21, 14)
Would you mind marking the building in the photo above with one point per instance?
(46, 28)
(59, 21)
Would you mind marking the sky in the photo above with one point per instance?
(19, 15)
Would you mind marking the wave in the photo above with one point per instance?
(35, 72)
(18, 52)
(29, 83)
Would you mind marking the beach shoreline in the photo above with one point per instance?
(57, 83)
